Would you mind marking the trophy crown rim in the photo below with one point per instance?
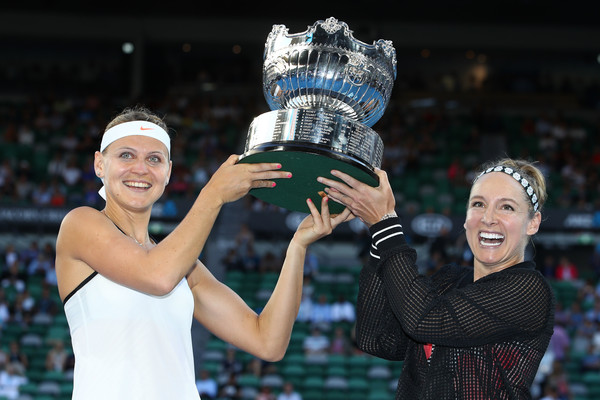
(331, 26)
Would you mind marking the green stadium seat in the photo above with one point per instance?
(313, 382)
(249, 380)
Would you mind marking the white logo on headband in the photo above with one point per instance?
(134, 128)
(509, 171)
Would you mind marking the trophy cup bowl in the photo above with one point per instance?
(325, 89)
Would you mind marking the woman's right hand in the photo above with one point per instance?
(232, 181)
(367, 203)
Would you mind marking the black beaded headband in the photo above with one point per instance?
(515, 174)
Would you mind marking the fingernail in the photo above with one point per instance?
(289, 175)
(319, 179)
(278, 166)
(273, 184)
(309, 200)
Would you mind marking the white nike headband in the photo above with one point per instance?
(133, 128)
(136, 128)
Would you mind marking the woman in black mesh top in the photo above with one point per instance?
(463, 333)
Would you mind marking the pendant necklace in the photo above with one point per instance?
(122, 231)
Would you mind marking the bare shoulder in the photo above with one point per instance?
(79, 215)
(76, 228)
(74, 224)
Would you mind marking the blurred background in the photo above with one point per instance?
(475, 81)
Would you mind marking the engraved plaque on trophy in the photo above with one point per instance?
(325, 89)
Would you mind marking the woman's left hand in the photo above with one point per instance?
(316, 226)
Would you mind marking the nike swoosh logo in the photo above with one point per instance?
(145, 129)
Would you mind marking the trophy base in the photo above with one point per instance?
(306, 163)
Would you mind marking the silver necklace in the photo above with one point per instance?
(122, 231)
(136, 240)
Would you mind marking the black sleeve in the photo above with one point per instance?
(498, 307)
(378, 331)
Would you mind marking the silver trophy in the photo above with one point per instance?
(326, 90)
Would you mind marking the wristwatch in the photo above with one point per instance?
(389, 215)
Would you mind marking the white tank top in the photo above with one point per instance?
(130, 345)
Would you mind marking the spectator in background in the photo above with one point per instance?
(265, 393)
(11, 256)
(305, 310)
(50, 277)
(57, 165)
(321, 313)
(269, 262)
(58, 197)
(574, 315)
(559, 380)
(230, 364)
(316, 346)
(90, 194)
(230, 389)
(256, 367)
(46, 303)
(566, 270)
(289, 393)
(11, 378)
(342, 310)
(559, 342)
(4, 308)
(16, 356)
(13, 281)
(311, 264)
(548, 267)
(250, 260)
(3, 358)
(582, 336)
(30, 253)
(244, 240)
(27, 304)
(207, 385)
(56, 359)
(591, 360)
(24, 188)
(72, 172)
(595, 259)
(40, 265)
(550, 393)
(42, 194)
(340, 343)
(200, 173)
(231, 261)
(6, 177)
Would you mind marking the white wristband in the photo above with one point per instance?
(389, 215)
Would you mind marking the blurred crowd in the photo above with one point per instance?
(48, 146)
(30, 350)
(51, 125)
(48, 137)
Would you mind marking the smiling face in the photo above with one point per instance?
(498, 223)
(135, 170)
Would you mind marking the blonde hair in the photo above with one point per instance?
(527, 170)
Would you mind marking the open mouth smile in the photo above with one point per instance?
(489, 239)
(137, 185)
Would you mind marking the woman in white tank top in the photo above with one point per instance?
(130, 301)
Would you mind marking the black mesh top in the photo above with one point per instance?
(488, 336)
